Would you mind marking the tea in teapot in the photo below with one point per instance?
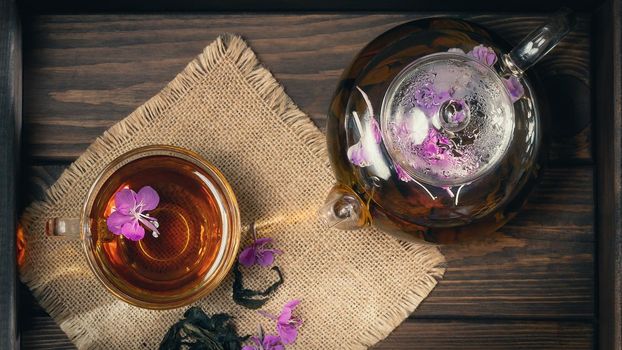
(435, 132)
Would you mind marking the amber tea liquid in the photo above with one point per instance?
(190, 229)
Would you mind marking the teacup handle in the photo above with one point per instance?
(64, 227)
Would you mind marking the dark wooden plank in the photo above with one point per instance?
(10, 119)
(43, 333)
(73, 6)
(84, 73)
(608, 122)
(489, 334)
(539, 265)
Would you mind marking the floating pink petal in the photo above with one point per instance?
(400, 131)
(125, 201)
(147, 198)
(435, 145)
(116, 220)
(133, 231)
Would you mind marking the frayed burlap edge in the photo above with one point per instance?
(236, 51)
(402, 308)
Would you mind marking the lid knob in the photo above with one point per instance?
(447, 119)
(454, 115)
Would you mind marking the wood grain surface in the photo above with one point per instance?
(10, 119)
(84, 73)
(141, 6)
(608, 131)
(530, 285)
(413, 334)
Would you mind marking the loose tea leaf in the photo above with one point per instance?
(199, 331)
(248, 297)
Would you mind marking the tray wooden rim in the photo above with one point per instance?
(607, 112)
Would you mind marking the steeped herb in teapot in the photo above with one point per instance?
(434, 132)
(447, 120)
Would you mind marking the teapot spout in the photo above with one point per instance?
(539, 42)
(344, 209)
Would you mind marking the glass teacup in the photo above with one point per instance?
(190, 238)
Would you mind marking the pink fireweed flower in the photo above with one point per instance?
(370, 136)
(402, 174)
(484, 55)
(286, 323)
(265, 342)
(375, 130)
(400, 131)
(357, 154)
(434, 146)
(514, 87)
(257, 253)
(430, 100)
(129, 213)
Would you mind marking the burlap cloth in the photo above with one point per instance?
(355, 287)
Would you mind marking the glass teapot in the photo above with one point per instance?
(434, 132)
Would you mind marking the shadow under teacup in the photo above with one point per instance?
(195, 236)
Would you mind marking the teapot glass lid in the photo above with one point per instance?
(447, 119)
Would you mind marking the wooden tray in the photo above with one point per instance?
(548, 279)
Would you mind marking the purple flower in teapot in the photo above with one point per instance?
(484, 55)
(429, 99)
(370, 136)
(435, 146)
(451, 122)
(514, 87)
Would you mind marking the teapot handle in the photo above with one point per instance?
(539, 42)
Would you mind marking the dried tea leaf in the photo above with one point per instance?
(198, 331)
(248, 297)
